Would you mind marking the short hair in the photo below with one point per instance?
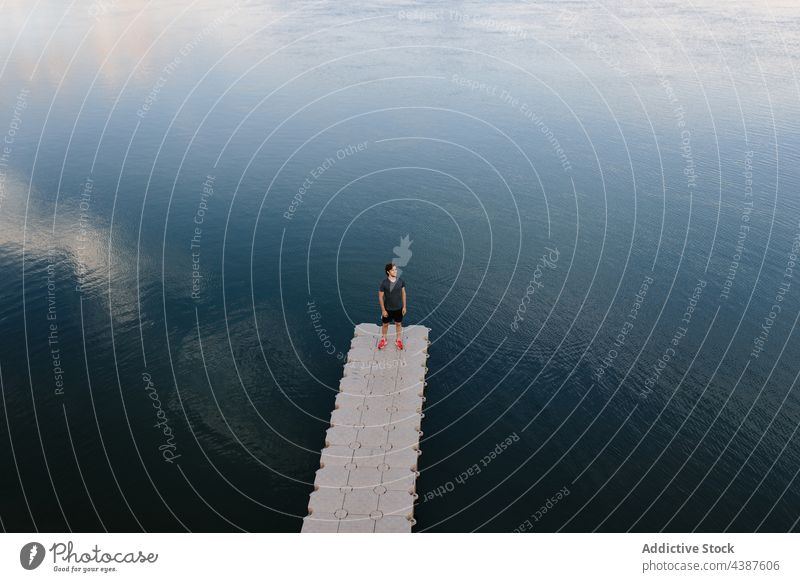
(389, 267)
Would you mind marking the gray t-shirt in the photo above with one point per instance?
(392, 293)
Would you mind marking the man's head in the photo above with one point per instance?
(391, 269)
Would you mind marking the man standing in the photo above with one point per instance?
(392, 298)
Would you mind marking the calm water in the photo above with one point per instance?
(602, 211)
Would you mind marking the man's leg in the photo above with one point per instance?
(399, 330)
(384, 331)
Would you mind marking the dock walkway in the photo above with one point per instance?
(368, 468)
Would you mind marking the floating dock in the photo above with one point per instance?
(368, 469)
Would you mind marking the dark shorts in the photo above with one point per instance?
(396, 315)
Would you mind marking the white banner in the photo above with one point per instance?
(447, 557)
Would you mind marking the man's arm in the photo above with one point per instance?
(404, 299)
(380, 300)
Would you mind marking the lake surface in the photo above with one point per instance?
(596, 210)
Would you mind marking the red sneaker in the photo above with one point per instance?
(399, 344)
(382, 343)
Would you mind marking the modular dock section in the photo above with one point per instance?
(368, 469)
